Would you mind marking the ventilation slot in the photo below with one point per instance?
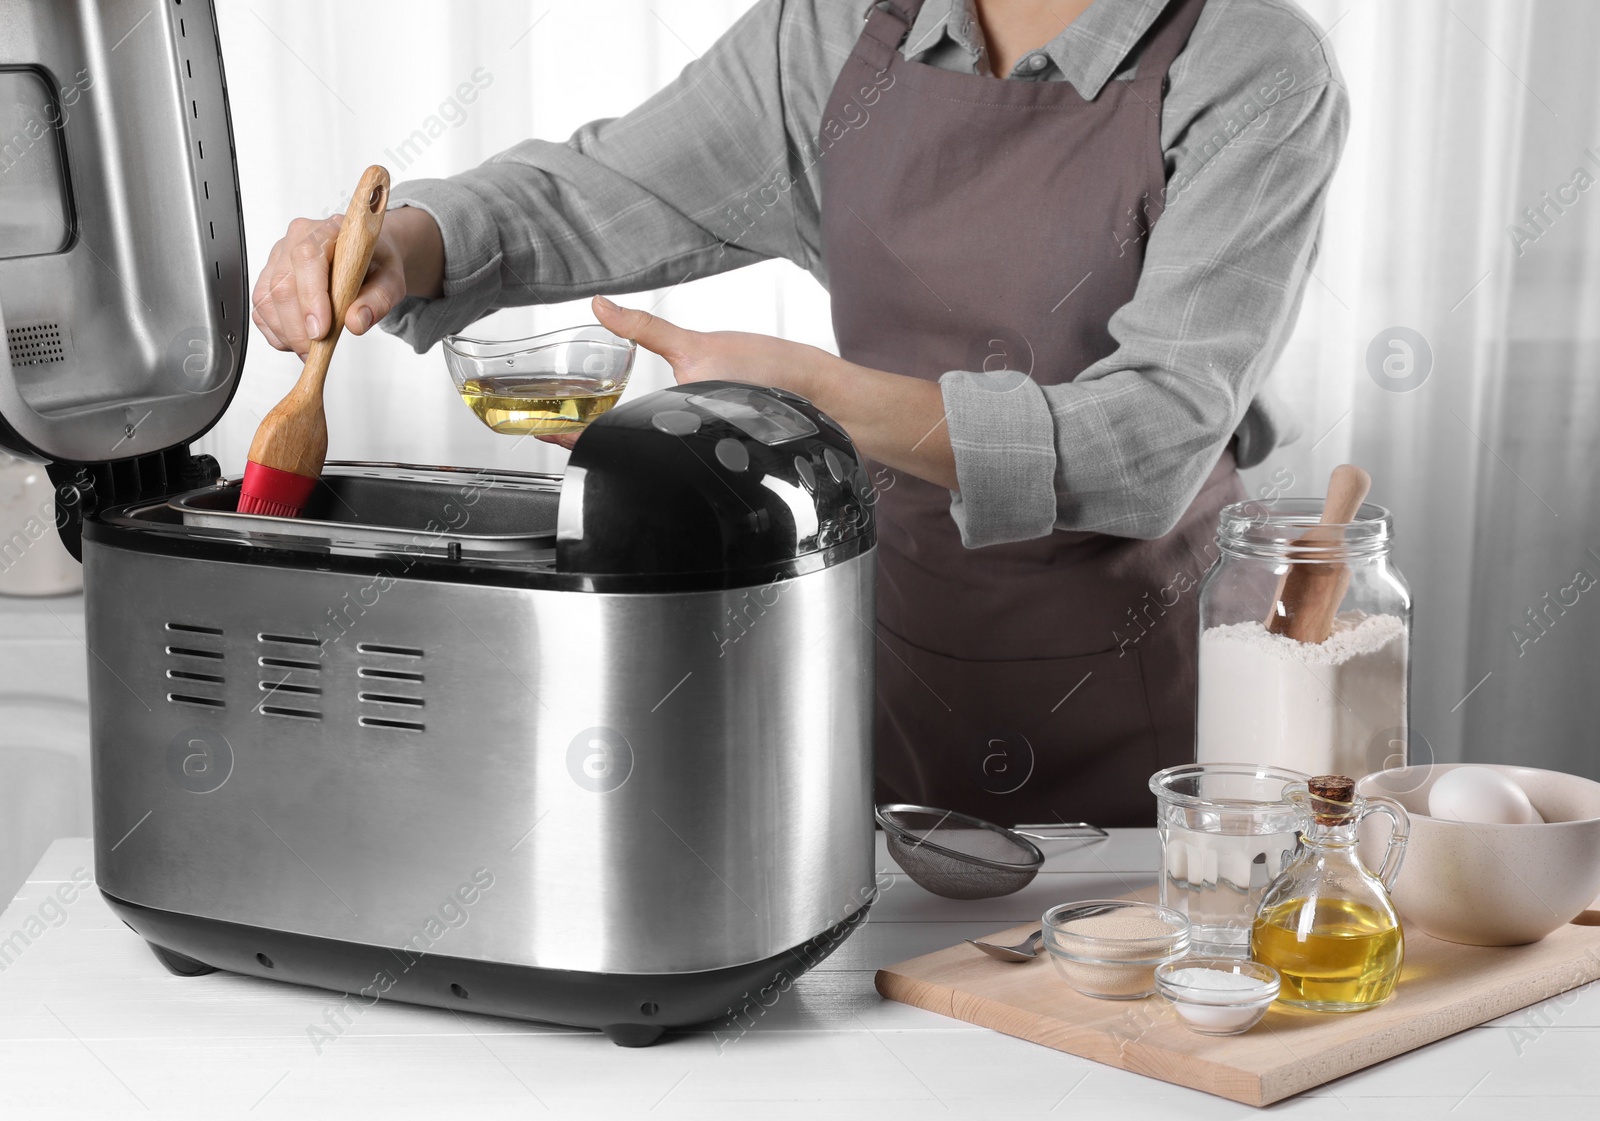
(203, 702)
(388, 674)
(297, 681)
(390, 699)
(196, 670)
(302, 690)
(397, 725)
(397, 651)
(214, 205)
(185, 675)
(38, 345)
(289, 639)
(296, 713)
(193, 652)
(378, 708)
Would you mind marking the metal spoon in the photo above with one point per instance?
(1026, 950)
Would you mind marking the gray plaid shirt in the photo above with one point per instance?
(721, 169)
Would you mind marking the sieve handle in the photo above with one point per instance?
(1060, 831)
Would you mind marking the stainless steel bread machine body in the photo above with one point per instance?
(467, 753)
(593, 749)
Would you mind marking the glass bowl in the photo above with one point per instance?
(1226, 1005)
(542, 385)
(1109, 948)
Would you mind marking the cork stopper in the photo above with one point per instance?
(1332, 798)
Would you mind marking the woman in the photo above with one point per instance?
(1064, 244)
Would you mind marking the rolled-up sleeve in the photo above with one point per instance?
(1124, 447)
(627, 204)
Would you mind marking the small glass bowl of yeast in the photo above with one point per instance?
(543, 385)
(1110, 948)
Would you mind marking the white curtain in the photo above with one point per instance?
(1465, 114)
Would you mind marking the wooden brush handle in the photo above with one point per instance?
(293, 437)
(1309, 594)
(352, 256)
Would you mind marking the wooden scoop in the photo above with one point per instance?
(287, 454)
(1309, 594)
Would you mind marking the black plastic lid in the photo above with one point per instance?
(712, 477)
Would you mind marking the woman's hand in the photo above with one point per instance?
(894, 419)
(291, 303)
(725, 355)
(715, 355)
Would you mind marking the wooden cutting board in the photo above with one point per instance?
(1444, 988)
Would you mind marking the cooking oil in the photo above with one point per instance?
(519, 405)
(1326, 923)
(1334, 955)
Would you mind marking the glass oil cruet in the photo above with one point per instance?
(1326, 923)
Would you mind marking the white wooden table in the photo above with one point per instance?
(91, 1026)
(44, 730)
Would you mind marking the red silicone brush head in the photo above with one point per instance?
(274, 493)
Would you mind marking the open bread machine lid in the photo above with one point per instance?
(123, 294)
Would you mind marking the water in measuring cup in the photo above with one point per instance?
(1217, 880)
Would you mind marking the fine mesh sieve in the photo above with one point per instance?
(962, 857)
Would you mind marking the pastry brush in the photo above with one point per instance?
(287, 454)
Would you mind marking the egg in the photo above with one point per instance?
(1481, 796)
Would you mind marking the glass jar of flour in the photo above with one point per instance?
(1336, 706)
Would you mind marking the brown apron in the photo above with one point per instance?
(1043, 679)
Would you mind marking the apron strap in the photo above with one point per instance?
(888, 24)
(1169, 36)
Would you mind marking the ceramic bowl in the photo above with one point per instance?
(1492, 885)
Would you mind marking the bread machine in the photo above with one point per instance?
(592, 749)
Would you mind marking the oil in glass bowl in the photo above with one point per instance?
(520, 406)
(544, 385)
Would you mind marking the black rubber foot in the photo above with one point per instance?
(633, 1035)
(178, 965)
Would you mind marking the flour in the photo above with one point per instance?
(1321, 709)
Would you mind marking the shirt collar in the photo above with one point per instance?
(1087, 52)
(945, 19)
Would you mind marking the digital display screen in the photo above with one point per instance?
(33, 194)
(757, 415)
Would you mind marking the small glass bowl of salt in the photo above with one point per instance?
(1218, 996)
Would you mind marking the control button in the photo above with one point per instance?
(807, 473)
(836, 465)
(859, 486)
(732, 454)
(676, 422)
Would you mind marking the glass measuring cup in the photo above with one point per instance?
(544, 384)
(1227, 830)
